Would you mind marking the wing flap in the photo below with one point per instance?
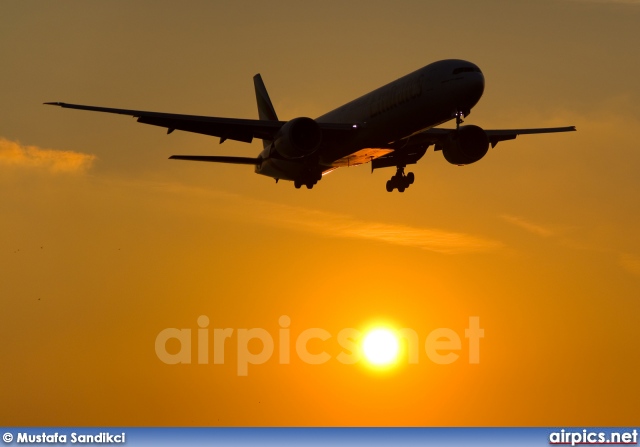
(226, 131)
(400, 157)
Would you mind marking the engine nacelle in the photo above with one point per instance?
(298, 138)
(466, 145)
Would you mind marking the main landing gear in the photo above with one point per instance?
(308, 180)
(309, 184)
(400, 180)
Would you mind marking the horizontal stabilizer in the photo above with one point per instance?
(218, 159)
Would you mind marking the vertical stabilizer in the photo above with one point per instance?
(266, 111)
(265, 108)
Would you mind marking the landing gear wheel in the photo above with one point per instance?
(400, 180)
(309, 177)
(411, 178)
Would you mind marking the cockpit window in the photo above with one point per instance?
(466, 70)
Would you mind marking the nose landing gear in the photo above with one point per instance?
(459, 116)
(400, 180)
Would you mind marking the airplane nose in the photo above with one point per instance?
(476, 79)
(475, 87)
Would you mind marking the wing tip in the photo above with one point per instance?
(53, 103)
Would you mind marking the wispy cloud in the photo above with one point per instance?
(15, 154)
(528, 226)
(628, 262)
(335, 225)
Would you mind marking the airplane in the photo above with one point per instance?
(392, 126)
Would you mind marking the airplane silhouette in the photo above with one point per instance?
(392, 126)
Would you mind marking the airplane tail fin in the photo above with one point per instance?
(266, 112)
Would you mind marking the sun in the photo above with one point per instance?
(380, 347)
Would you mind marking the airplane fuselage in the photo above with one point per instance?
(420, 100)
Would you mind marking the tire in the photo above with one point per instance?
(411, 178)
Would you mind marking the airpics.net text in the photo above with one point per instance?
(440, 345)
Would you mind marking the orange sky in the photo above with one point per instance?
(105, 242)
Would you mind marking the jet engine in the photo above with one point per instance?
(298, 138)
(466, 145)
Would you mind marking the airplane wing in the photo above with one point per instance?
(495, 136)
(410, 149)
(237, 129)
(436, 135)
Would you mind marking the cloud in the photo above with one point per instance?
(528, 226)
(436, 240)
(630, 263)
(328, 224)
(336, 225)
(15, 154)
